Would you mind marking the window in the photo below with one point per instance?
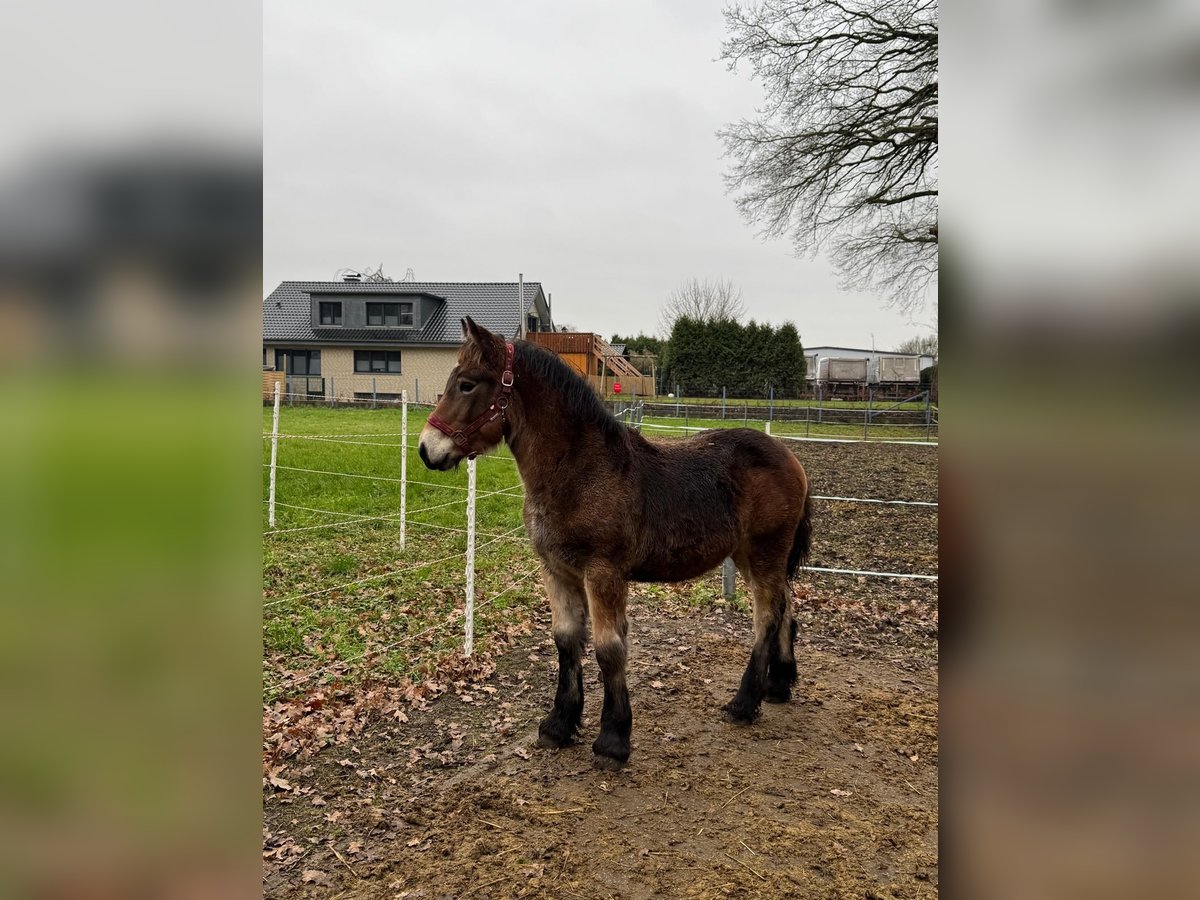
(298, 362)
(386, 362)
(394, 314)
(330, 312)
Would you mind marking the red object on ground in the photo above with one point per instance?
(616, 387)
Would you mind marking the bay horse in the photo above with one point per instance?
(604, 506)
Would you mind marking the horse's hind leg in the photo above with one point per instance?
(781, 671)
(568, 611)
(766, 668)
(606, 603)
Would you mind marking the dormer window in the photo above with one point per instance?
(330, 312)
(396, 315)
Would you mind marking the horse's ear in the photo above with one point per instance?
(475, 332)
(490, 346)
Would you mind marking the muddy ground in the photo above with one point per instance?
(831, 795)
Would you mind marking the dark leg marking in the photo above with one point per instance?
(558, 728)
(781, 671)
(616, 719)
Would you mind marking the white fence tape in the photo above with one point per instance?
(870, 573)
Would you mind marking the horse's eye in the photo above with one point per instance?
(466, 386)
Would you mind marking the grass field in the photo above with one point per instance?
(343, 601)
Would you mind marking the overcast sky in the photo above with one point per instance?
(573, 142)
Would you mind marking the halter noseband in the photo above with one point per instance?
(462, 436)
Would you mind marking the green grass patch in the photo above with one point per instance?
(342, 599)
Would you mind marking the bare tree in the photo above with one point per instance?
(702, 300)
(923, 344)
(844, 151)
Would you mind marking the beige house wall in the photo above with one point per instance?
(423, 372)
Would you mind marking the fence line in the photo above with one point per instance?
(349, 434)
(324, 400)
(507, 491)
(824, 440)
(408, 639)
(831, 440)
(394, 572)
(872, 500)
(361, 518)
(337, 440)
(870, 572)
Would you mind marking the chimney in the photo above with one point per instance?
(353, 276)
(521, 303)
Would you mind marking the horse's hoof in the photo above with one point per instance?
(609, 752)
(736, 714)
(782, 696)
(607, 763)
(553, 735)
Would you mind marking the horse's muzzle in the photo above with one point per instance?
(435, 454)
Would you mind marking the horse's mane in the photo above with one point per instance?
(576, 394)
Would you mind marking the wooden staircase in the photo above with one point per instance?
(620, 366)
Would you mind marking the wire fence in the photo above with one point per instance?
(476, 540)
(904, 416)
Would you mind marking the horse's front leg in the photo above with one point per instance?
(606, 602)
(568, 612)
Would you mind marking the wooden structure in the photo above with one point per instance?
(595, 359)
(269, 380)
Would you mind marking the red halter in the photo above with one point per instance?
(462, 436)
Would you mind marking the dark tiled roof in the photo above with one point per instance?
(287, 310)
(619, 349)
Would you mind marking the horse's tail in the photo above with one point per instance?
(802, 542)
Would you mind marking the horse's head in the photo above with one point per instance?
(469, 419)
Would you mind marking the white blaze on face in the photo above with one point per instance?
(437, 446)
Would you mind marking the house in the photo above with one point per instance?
(860, 365)
(347, 340)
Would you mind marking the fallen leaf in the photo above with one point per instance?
(859, 748)
(521, 752)
(838, 792)
(355, 847)
(316, 876)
